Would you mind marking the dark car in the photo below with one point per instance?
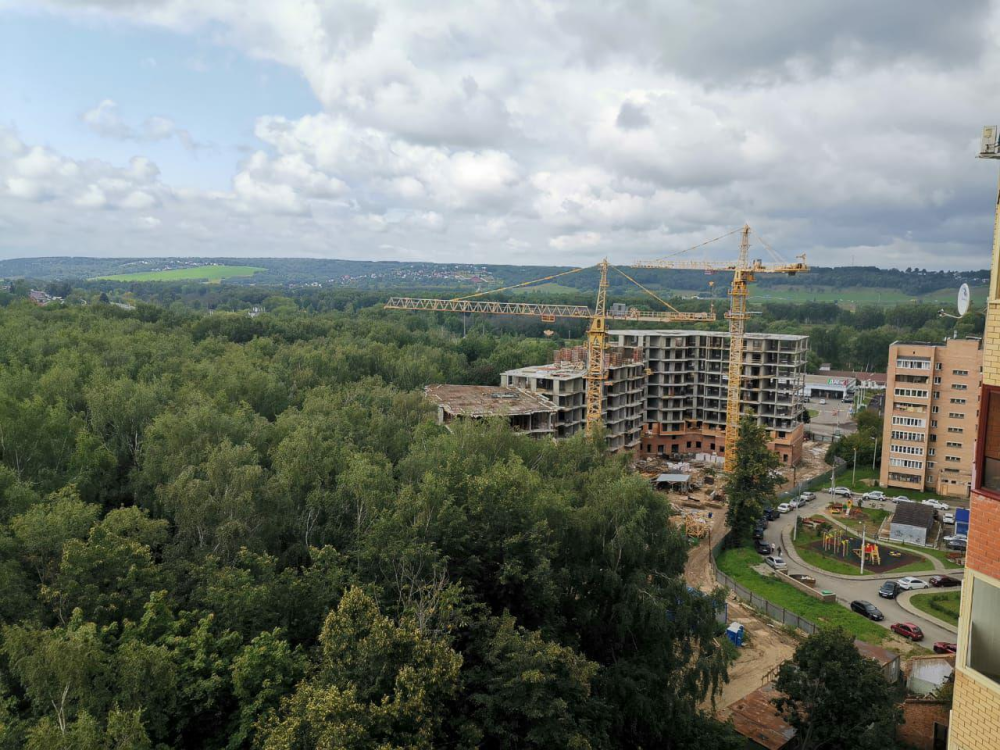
(907, 630)
(943, 647)
(763, 521)
(762, 547)
(867, 609)
(944, 581)
(772, 513)
(758, 532)
(957, 544)
(889, 590)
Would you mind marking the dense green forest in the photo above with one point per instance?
(231, 532)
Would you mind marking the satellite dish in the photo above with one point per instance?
(964, 298)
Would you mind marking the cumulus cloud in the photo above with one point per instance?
(106, 120)
(563, 130)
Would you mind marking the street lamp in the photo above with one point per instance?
(875, 454)
(854, 468)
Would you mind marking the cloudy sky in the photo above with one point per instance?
(510, 131)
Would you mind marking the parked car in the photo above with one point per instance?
(841, 491)
(807, 496)
(900, 499)
(762, 547)
(958, 545)
(949, 518)
(944, 581)
(907, 630)
(867, 609)
(784, 508)
(823, 401)
(943, 647)
(953, 537)
(935, 504)
(910, 583)
(778, 563)
(773, 513)
(876, 495)
(758, 533)
(889, 590)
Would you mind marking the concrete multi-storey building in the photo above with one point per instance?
(688, 380)
(564, 383)
(931, 407)
(526, 412)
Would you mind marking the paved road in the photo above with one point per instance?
(849, 589)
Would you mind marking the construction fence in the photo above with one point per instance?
(772, 610)
(817, 482)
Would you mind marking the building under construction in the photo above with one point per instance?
(687, 381)
(564, 384)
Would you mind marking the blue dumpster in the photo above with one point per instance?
(736, 633)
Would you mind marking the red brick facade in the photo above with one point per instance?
(919, 717)
(984, 531)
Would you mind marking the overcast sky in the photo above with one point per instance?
(510, 132)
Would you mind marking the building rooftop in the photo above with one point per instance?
(685, 332)
(487, 400)
(976, 339)
(876, 377)
(558, 371)
(882, 655)
(914, 514)
(757, 719)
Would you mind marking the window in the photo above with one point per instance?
(959, 372)
(953, 459)
(953, 445)
(933, 423)
(905, 435)
(912, 392)
(958, 400)
(912, 450)
(934, 410)
(913, 364)
(937, 394)
(984, 637)
(909, 421)
(959, 387)
(906, 463)
(955, 429)
(956, 415)
(931, 451)
(988, 446)
(937, 380)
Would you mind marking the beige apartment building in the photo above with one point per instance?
(931, 413)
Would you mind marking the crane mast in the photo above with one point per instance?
(597, 343)
(744, 272)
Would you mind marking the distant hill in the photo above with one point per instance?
(854, 284)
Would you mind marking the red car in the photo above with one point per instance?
(907, 630)
(943, 647)
(943, 581)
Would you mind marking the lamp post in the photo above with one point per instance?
(875, 454)
(854, 468)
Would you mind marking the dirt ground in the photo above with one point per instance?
(768, 645)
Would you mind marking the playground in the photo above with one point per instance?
(843, 547)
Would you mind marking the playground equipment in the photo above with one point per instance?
(838, 543)
(871, 553)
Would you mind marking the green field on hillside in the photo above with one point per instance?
(198, 273)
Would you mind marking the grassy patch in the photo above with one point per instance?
(738, 565)
(198, 273)
(813, 413)
(850, 567)
(944, 605)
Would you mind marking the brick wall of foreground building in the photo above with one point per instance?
(975, 716)
(920, 716)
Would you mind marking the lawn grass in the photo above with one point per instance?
(942, 605)
(197, 273)
(738, 565)
(813, 413)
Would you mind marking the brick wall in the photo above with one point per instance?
(991, 345)
(919, 718)
(975, 717)
(983, 553)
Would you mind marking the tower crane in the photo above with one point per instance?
(597, 331)
(744, 272)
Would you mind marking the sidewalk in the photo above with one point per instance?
(789, 551)
(904, 602)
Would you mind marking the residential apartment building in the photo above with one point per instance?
(975, 715)
(687, 384)
(931, 412)
(564, 383)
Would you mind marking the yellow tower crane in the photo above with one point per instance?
(744, 272)
(597, 331)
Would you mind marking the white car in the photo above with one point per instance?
(823, 401)
(784, 508)
(874, 495)
(949, 518)
(841, 491)
(900, 499)
(778, 563)
(807, 496)
(936, 504)
(910, 583)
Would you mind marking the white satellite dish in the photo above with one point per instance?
(964, 298)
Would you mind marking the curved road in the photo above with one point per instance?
(849, 588)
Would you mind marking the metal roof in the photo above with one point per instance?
(673, 478)
(913, 514)
(757, 719)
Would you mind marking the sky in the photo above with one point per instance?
(552, 133)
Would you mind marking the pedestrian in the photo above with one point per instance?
(779, 549)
